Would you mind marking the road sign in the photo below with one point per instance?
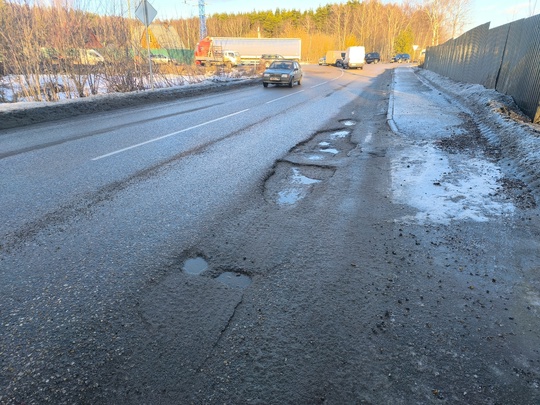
(145, 12)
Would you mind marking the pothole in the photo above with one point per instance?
(195, 266)
(348, 123)
(324, 146)
(234, 280)
(291, 183)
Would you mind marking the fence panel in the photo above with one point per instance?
(492, 56)
(478, 39)
(519, 75)
(505, 58)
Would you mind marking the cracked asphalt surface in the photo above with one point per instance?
(352, 296)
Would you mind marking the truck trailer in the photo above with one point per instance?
(251, 49)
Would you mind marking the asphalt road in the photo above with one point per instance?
(245, 247)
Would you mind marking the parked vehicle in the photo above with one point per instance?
(332, 57)
(322, 61)
(267, 59)
(283, 72)
(251, 49)
(87, 57)
(354, 57)
(373, 57)
(207, 53)
(160, 59)
(401, 58)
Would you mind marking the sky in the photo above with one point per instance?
(498, 12)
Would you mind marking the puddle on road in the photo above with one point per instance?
(299, 178)
(339, 134)
(235, 280)
(348, 123)
(292, 195)
(288, 197)
(330, 150)
(289, 184)
(195, 266)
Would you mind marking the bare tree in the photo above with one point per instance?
(457, 16)
(436, 12)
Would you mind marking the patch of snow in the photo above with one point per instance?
(445, 187)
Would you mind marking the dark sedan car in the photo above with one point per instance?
(373, 57)
(402, 58)
(283, 72)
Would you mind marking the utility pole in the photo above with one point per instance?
(202, 20)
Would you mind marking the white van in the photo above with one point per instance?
(354, 57)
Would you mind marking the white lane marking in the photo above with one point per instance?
(320, 84)
(168, 135)
(281, 98)
(328, 81)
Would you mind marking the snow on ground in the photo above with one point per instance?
(445, 187)
(14, 89)
(458, 180)
(28, 112)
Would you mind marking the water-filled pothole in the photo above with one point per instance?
(195, 266)
(291, 183)
(288, 197)
(348, 123)
(299, 178)
(339, 134)
(235, 280)
(330, 150)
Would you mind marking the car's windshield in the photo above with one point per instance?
(281, 65)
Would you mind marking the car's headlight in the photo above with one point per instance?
(266, 75)
(284, 75)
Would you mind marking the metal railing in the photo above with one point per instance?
(505, 58)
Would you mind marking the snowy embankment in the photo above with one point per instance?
(26, 113)
(501, 122)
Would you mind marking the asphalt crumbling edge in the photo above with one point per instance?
(390, 113)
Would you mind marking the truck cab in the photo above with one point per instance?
(231, 57)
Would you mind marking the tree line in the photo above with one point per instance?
(35, 38)
(387, 28)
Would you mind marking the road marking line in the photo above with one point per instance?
(328, 81)
(320, 84)
(281, 98)
(168, 135)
